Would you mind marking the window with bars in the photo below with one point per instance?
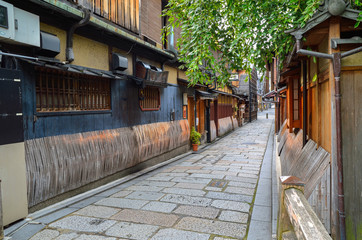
(122, 12)
(296, 99)
(60, 91)
(149, 99)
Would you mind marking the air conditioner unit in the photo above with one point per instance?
(18, 26)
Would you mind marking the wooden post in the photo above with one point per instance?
(334, 32)
(1, 217)
(284, 224)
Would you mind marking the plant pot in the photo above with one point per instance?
(195, 147)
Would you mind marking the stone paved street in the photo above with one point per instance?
(207, 195)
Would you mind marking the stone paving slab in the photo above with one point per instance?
(212, 226)
(156, 183)
(206, 195)
(174, 234)
(202, 212)
(149, 196)
(229, 196)
(132, 230)
(122, 203)
(190, 185)
(152, 218)
(83, 224)
(231, 205)
(189, 200)
(160, 207)
(183, 191)
(97, 211)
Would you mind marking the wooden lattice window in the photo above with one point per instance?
(149, 99)
(61, 91)
(122, 12)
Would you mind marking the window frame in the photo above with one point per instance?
(142, 96)
(73, 100)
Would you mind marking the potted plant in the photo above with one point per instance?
(195, 138)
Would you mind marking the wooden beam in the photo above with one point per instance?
(305, 222)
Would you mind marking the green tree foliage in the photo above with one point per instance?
(219, 35)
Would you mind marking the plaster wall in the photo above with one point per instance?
(13, 182)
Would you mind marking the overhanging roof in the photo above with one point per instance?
(76, 69)
(206, 95)
(324, 12)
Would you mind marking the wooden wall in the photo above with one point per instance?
(151, 23)
(311, 164)
(125, 110)
(351, 89)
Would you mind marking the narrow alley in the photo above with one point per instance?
(205, 195)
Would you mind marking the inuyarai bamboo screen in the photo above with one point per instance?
(60, 91)
(149, 99)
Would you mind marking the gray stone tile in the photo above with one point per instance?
(247, 175)
(145, 195)
(159, 178)
(211, 176)
(183, 191)
(132, 230)
(261, 213)
(241, 179)
(83, 224)
(172, 174)
(146, 217)
(121, 194)
(191, 180)
(55, 215)
(240, 190)
(145, 188)
(199, 171)
(122, 203)
(233, 216)
(94, 237)
(67, 236)
(212, 226)
(188, 200)
(242, 184)
(231, 205)
(229, 196)
(263, 200)
(97, 211)
(221, 238)
(190, 185)
(229, 173)
(214, 189)
(174, 234)
(259, 230)
(216, 168)
(156, 183)
(202, 212)
(46, 234)
(160, 207)
(27, 231)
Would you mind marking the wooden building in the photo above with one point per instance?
(88, 90)
(247, 91)
(318, 117)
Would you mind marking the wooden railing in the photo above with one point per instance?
(297, 219)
